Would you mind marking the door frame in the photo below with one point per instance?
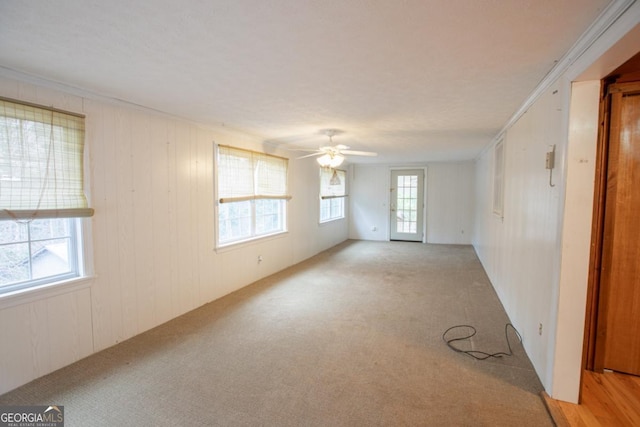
(597, 231)
(597, 308)
(424, 198)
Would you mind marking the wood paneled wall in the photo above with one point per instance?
(151, 240)
(450, 202)
(519, 251)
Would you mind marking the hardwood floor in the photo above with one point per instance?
(608, 399)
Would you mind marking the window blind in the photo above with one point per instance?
(333, 183)
(249, 175)
(41, 162)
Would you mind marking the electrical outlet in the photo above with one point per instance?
(259, 259)
(540, 329)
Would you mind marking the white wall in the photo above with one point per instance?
(537, 258)
(449, 200)
(519, 251)
(369, 202)
(151, 184)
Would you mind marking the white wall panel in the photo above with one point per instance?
(450, 202)
(142, 211)
(160, 222)
(41, 336)
(305, 189)
(369, 202)
(153, 238)
(126, 260)
(519, 251)
(171, 227)
(98, 131)
(71, 311)
(522, 252)
(184, 250)
(208, 262)
(108, 287)
(17, 352)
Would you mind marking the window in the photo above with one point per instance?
(407, 198)
(41, 195)
(333, 183)
(252, 191)
(37, 252)
(498, 178)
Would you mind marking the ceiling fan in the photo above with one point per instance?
(332, 156)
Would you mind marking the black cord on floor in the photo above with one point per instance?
(479, 355)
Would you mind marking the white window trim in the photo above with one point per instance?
(344, 210)
(47, 287)
(236, 244)
(44, 291)
(84, 242)
(342, 196)
(228, 247)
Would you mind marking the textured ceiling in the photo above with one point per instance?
(415, 80)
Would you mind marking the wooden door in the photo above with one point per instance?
(618, 330)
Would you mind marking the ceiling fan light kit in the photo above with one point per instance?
(330, 160)
(332, 156)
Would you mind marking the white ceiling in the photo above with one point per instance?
(415, 80)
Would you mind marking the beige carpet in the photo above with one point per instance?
(351, 337)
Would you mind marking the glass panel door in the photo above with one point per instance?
(407, 194)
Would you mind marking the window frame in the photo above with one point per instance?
(253, 199)
(78, 234)
(328, 198)
(253, 235)
(76, 256)
(332, 201)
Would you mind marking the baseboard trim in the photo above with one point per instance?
(554, 410)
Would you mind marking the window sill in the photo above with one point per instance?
(242, 243)
(37, 293)
(330, 221)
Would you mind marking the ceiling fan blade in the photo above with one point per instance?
(308, 150)
(359, 153)
(311, 155)
(341, 147)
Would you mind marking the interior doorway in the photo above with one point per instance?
(407, 205)
(613, 329)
